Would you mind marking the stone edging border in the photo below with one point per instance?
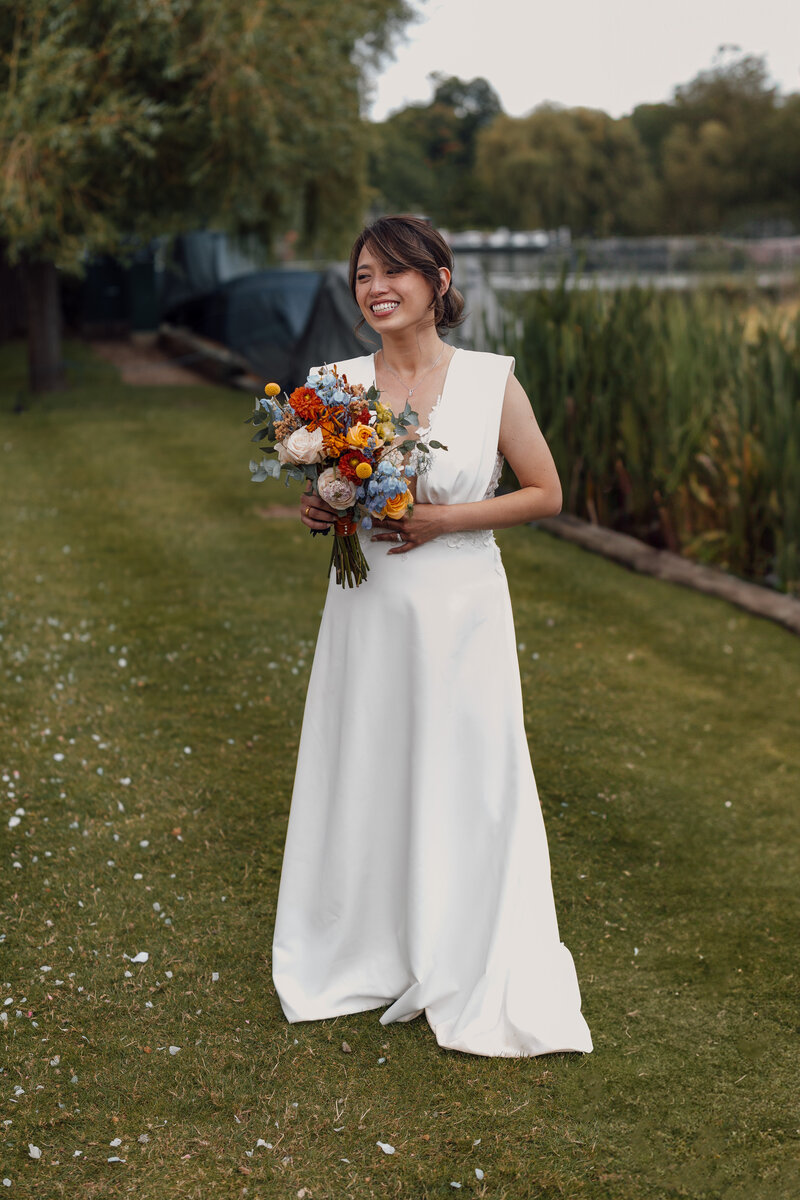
(663, 564)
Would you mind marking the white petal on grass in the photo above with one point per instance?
(116, 1142)
(214, 976)
(34, 1151)
(174, 1049)
(115, 1159)
(478, 1173)
(187, 749)
(141, 957)
(385, 1147)
(13, 822)
(6, 1182)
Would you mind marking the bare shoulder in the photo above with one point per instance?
(517, 408)
(522, 442)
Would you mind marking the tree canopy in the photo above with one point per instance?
(423, 157)
(722, 154)
(122, 121)
(119, 120)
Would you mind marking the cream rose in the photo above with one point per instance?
(302, 446)
(335, 489)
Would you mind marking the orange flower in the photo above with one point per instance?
(306, 403)
(362, 437)
(333, 442)
(397, 506)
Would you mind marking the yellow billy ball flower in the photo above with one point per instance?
(272, 389)
(363, 470)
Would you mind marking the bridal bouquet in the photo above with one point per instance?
(341, 438)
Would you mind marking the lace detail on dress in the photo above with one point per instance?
(496, 473)
(476, 537)
(424, 431)
(467, 537)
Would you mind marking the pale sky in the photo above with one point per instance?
(608, 54)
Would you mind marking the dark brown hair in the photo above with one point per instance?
(409, 243)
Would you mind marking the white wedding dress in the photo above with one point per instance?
(416, 871)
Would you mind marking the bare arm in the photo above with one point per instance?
(522, 444)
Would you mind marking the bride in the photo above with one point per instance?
(416, 875)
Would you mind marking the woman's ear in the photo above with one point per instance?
(445, 277)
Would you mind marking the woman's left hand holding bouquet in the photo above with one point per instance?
(426, 522)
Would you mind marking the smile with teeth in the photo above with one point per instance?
(385, 306)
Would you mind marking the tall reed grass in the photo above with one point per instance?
(673, 417)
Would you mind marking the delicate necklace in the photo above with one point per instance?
(411, 390)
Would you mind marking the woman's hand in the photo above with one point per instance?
(427, 521)
(315, 512)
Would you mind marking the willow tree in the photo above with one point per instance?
(122, 121)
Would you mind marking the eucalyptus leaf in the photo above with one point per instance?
(407, 417)
(266, 469)
(437, 445)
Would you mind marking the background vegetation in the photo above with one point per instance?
(122, 122)
(672, 416)
(157, 636)
(722, 155)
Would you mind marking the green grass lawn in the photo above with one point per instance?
(157, 635)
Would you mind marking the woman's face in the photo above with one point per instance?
(392, 298)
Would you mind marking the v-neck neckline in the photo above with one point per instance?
(426, 427)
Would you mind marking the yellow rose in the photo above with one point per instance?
(396, 506)
(272, 389)
(361, 436)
